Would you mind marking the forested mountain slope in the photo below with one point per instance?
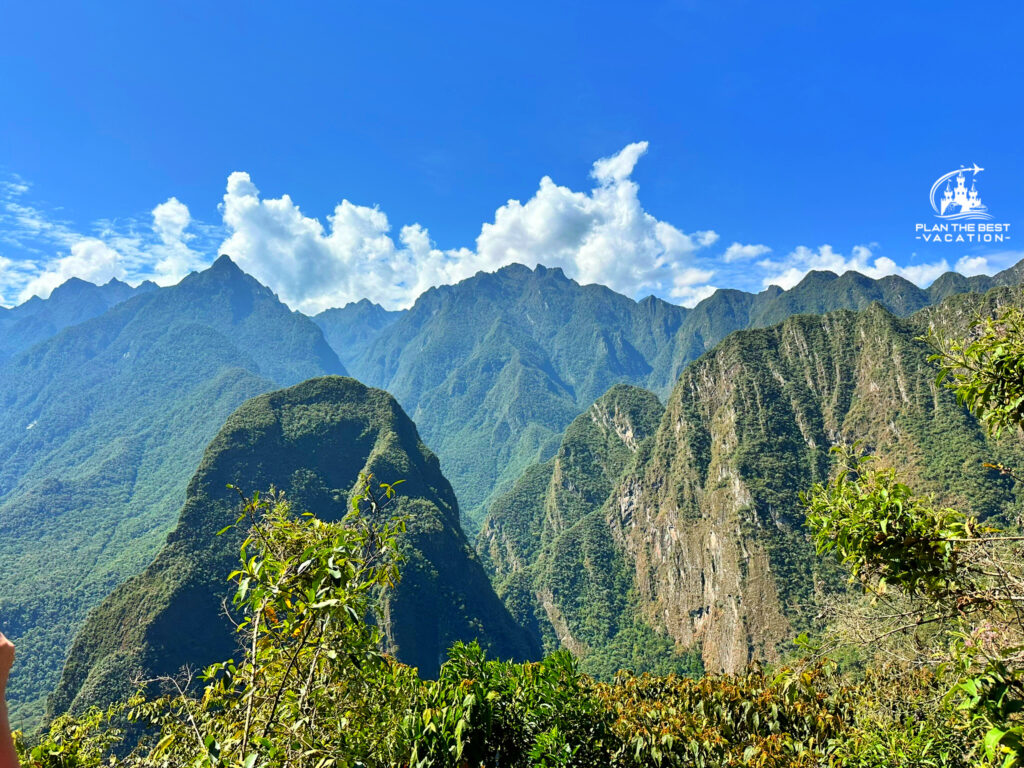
(702, 536)
(494, 368)
(350, 330)
(69, 304)
(102, 424)
(100, 429)
(311, 441)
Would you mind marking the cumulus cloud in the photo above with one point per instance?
(174, 258)
(603, 236)
(973, 265)
(690, 286)
(738, 252)
(124, 250)
(170, 220)
(791, 269)
(989, 263)
(313, 267)
(618, 168)
(90, 259)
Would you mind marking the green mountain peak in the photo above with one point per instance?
(310, 441)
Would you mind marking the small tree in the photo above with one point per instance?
(306, 685)
(312, 682)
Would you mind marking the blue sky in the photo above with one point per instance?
(138, 139)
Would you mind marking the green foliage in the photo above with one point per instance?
(929, 566)
(482, 712)
(75, 742)
(311, 688)
(792, 719)
(901, 717)
(961, 577)
(305, 588)
(884, 532)
(995, 697)
(987, 370)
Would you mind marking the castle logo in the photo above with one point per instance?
(956, 202)
(963, 218)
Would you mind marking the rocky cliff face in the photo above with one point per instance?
(711, 523)
(698, 535)
(551, 552)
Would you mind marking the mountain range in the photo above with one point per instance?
(68, 304)
(494, 368)
(104, 422)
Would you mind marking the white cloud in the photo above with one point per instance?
(973, 265)
(13, 273)
(174, 257)
(23, 225)
(619, 167)
(994, 261)
(124, 250)
(690, 286)
(90, 259)
(170, 220)
(602, 236)
(313, 268)
(737, 252)
(922, 275)
(791, 269)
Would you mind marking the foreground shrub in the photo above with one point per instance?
(312, 689)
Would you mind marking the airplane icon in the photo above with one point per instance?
(977, 169)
